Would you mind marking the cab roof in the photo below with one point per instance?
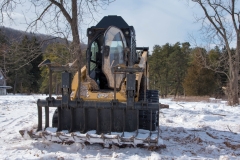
(112, 20)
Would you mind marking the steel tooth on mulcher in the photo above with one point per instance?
(30, 133)
(79, 137)
(65, 137)
(139, 137)
(22, 132)
(112, 139)
(58, 137)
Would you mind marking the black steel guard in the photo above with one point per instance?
(104, 117)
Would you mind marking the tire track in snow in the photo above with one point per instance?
(15, 120)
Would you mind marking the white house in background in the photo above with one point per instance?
(3, 86)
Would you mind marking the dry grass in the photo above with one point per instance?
(196, 99)
(192, 98)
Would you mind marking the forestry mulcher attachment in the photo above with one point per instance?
(109, 102)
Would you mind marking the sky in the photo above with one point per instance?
(155, 21)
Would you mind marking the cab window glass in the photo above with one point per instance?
(116, 41)
(94, 51)
(116, 51)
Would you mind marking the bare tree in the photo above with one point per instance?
(220, 26)
(59, 17)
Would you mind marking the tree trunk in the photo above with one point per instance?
(15, 84)
(233, 78)
(176, 89)
(56, 85)
(235, 72)
(21, 89)
(166, 84)
(76, 41)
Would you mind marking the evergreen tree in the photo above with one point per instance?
(220, 66)
(3, 51)
(168, 65)
(178, 64)
(159, 68)
(59, 55)
(35, 71)
(199, 80)
(23, 60)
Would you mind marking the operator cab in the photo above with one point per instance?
(107, 51)
(107, 42)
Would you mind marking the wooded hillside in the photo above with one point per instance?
(22, 52)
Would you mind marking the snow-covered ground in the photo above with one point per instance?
(190, 130)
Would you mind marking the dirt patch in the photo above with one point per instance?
(232, 146)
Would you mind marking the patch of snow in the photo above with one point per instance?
(189, 130)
